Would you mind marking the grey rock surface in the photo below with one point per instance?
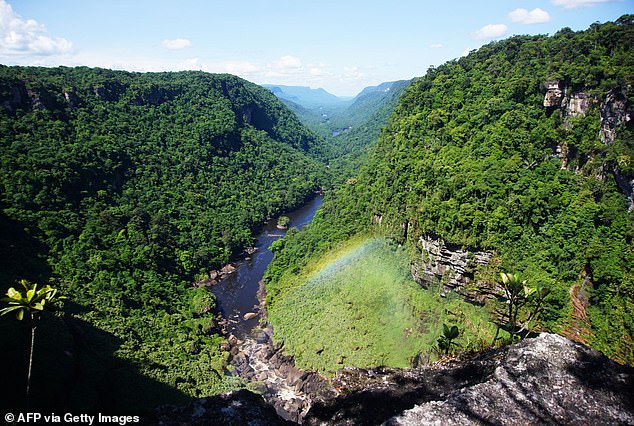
(546, 380)
(543, 380)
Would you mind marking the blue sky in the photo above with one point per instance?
(341, 46)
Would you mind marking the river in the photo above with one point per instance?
(236, 294)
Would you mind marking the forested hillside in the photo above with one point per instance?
(347, 127)
(357, 128)
(523, 149)
(121, 189)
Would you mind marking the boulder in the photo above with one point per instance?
(249, 315)
(227, 269)
(544, 380)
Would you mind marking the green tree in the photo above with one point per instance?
(33, 302)
(283, 222)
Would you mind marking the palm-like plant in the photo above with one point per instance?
(31, 301)
(514, 292)
(517, 295)
(446, 340)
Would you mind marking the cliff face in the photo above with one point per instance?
(615, 112)
(453, 267)
(543, 380)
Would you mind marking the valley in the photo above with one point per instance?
(500, 180)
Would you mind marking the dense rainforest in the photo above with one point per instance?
(524, 150)
(121, 190)
(347, 127)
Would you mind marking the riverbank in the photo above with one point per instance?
(236, 293)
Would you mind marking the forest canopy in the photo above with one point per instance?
(474, 157)
(121, 189)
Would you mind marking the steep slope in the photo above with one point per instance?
(367, 104)
(520, 153)
(362, 121)
(121, 189)
(346, 127)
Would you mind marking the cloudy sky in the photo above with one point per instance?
(340, 45)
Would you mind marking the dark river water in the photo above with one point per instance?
(236, 295)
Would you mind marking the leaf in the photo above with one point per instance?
(454, 332)
(6, 310)
(14, 294)
(29, 294)
(25, 284)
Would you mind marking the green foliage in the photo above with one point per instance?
(33, 302)
(30, 300)
(357, 305)
(283, 221)
(120, 188)
(470, 156)
(447, 339)
(518, 296)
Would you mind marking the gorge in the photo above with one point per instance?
(129, 192)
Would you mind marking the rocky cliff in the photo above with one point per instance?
(542, 380)
(615, 112)
(453, 267)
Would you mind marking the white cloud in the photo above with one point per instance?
(285, 66)
(571, 4)
(286, 63)
(319, 71)
(27, 37)
(176, 44)
(535, 16)
(490, 31)
(240, 68)
(436, 46)
(353, 73)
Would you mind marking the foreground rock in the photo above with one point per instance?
(545, 380)
(289, 389)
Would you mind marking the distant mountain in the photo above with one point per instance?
(305, 96)
(381, 88)
(347, 126)
(367, 103)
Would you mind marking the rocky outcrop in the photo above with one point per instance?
(289, 389)
(453, 267)
(215, 276)
(554, 94)
(577, 104)
(544, 380)
(615, 112)
(13, 97)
